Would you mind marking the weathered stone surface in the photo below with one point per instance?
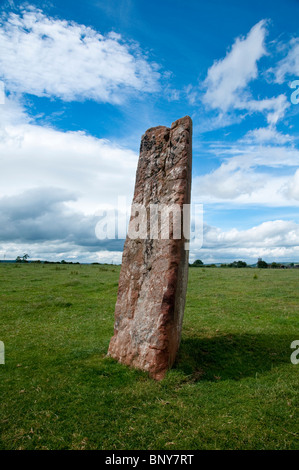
(153, 278)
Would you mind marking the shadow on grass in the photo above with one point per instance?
(232, 356)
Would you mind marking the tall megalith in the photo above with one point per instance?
(153, 278)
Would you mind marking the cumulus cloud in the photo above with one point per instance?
(291, 188)
(275, 240)
(42, 217)
(33, 156)
(32, 204)
(272, 240)
(229, 181)
(57, 58)
(59, 250)
(249, 173)
(54, 186)
(268, 234)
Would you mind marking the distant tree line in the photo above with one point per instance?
(261, 264)
(235, 264)
(24, 259)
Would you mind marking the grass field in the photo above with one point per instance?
(233, 385)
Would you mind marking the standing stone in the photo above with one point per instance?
(153, 279)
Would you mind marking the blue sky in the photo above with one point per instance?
(84, 80)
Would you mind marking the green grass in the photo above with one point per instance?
(232, 387)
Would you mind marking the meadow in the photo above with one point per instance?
(233, 385)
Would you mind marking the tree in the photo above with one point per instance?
(197, 263)
(22, 259)
(241, 264)
(262, 264)
(238, 264)
(25, 257)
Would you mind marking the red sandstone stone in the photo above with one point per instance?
(153, 279)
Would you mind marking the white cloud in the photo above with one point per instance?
(267, 135)
(50, 57)
(33, 157)
(192, 94)
(268, 234)
(249, 174)
(229, 181)
(113, 257)
(52, 186)
(229, 76)
(54, 182)
(289, 65)
(12, 112)
(274, 107)
(57, 251)
(276, 240)
(291, 188)
(272, 156)
(227, 80)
